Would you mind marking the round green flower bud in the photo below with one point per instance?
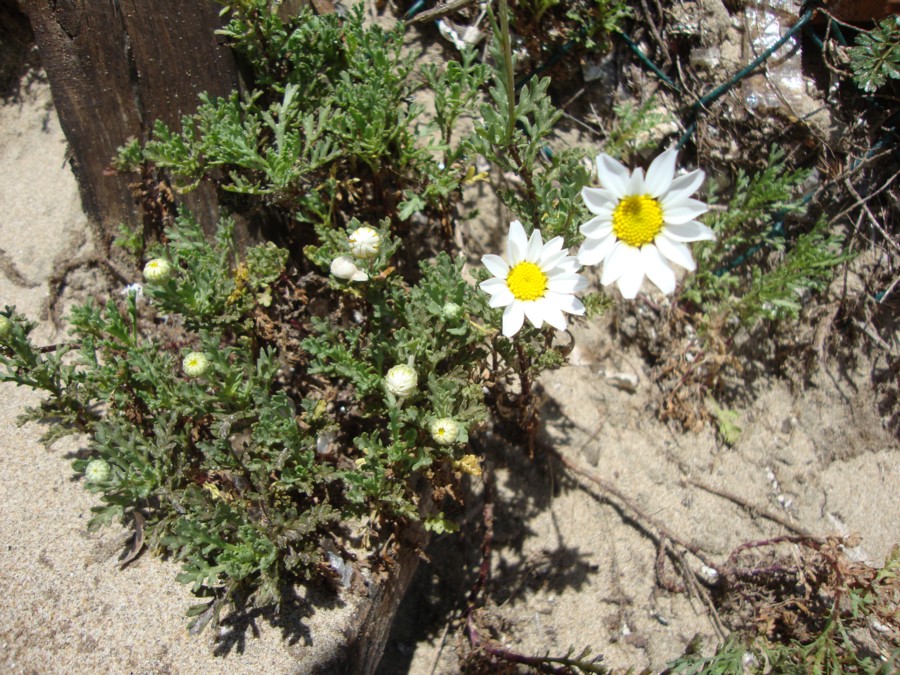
(451, 311)
(5, 326)
(195, 364)
(401, 380)
(97, 471)
(157, 270)
(444, 431)
(365, 242)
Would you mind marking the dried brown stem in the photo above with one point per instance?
(654, 528)
(753, 509)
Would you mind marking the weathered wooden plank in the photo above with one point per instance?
(15, 40)
(116, 66)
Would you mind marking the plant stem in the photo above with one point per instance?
(508, 69)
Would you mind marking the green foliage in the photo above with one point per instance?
(728, 659)
(591, 22)
(514, 134)
(735, 281)
(226, 468)
(728, 422)
(208, 286)
(875, 57)
(606, 17)
(631, 131)
(332, 117)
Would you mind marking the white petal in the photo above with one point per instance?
(684, 186)
(684, 210)
(572, 305)
(496, 265)
(597, 228)
(598, 200)
(636, 184)
(502, 298)
(677, 252)
(630, 282)
(548, 263)
(535, 246)
(552, 314)
(613, 176)
(661, 173)
(513, 318)
(592, 251)
(493, 285)
(567, 264)
(689, 231)
(617, 262)
(567, 283)
(535, 312)
(567, 303)
(517, 243)
(551, 252)
(657, 270)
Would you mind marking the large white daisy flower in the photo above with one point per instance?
(538, 282)
(641, 224)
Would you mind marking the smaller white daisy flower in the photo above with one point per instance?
(157, 270)
(343, 267)
(96, 471)
(641, 224)
(195, 364)
(538, 282)
(444, 431)
(402, 380)
(365, 242)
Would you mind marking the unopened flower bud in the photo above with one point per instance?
(451, 311)
(344, 268)
(365, 242)
(5, 326)
(401, 380)
(195, 364)
(468, 464)
(444, 431)
(97, 471)
(157, 270)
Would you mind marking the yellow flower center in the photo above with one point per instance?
(637, 220)
(526, 281)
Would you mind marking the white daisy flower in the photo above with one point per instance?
(538, 282)
(641, 224)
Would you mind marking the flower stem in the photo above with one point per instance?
(510, 82)
(527, 412)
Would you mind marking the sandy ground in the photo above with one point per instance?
(568, 569)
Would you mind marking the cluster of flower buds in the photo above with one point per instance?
(365, 242)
